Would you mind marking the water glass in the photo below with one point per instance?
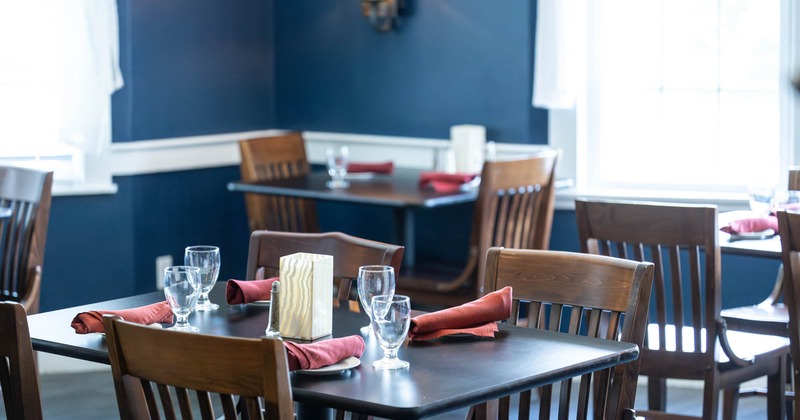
(374, 280)
(337, 159)
(181, 290)
(391, 317)
(206, 258)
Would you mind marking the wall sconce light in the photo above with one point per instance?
(383, 14)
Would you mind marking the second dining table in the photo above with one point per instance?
(445, 374)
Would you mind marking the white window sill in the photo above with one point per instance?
(565, 197)
(61, 190)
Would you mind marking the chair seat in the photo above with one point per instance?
(763, 319)
(745, 345)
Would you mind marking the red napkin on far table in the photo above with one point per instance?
(754, 224)
(246, 291)
(478, 317)
(444, 182)
(323, 353)
(92, 321)
(378, 168)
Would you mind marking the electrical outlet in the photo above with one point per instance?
(162, 262)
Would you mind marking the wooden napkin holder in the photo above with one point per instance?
(306, 299)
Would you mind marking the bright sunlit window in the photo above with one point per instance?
(686, 94)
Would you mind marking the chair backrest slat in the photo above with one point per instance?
(19, 381)
(789, 228)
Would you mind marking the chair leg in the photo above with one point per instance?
(730, 402)
(776, 392)
(656, 394)
(710, 398)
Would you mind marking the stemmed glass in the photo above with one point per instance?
(181, 290)
(206, 258)
(391, 317)
(337, 158)
(374, 280)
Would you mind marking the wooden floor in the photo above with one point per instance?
(89, 396)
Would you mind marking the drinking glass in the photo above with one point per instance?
(206, 258)
(337, 158)
(761, 198)
(181, 290)
(374, 280)
(391, 317)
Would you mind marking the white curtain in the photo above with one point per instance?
(555, 55)
(91, 73)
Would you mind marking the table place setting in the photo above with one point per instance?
(249, 291)
(477, 318)
(761, 221)
(445, 182)
(92, 321)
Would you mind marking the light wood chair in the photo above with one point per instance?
(22, 237)
(687, 337)
(769, 316)
(254, 370)
(514, 209)
(789, 226)
(349, 253)
(273, 158)
(582, 294)
(18, 378)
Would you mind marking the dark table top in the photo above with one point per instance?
(445, 374)
(400, 189)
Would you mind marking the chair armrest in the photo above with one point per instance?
(722, 331)
(30, 300)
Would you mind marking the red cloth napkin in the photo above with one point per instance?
(444, 182)
(754, 224)
(323, 353)
(246, 291)
(92, 321)
(379, 168)
(477, 318)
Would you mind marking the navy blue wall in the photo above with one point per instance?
(207, 67)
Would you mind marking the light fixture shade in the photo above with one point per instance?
(382, 14)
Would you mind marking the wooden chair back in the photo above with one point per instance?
(582, 294)
(272, 158)
(143, 358)
(789, 227)
(27, 193)
(349, 253)
(18, 378)
(794, 179)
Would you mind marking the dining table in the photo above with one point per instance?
(444, 374)
(399, 191)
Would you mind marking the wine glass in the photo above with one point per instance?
(374, 280)
(337, 158)
(391, 317)
(206, 258)
(181, 290)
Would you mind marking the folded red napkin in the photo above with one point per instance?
(246, 291)
(444, 182)
(379, 168)
(92, 321)
(323, 353)
(754, 224)
(476, 318)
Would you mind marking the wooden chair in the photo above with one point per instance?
(770, 316)
(22, 237)
(582, 294)
(514, 209)
(687, 338)
(789, 226)
(18, 379)
(349, 253)
(271, 158)
(176, 362)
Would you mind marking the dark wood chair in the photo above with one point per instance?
(176, 362)
(18, 378)
(687, 337)
(582, 294)
(271, 158)
(769, 316)
(27, 193)
(349, 253)
(789, 226)
(514, 209)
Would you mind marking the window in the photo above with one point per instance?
(685, 95)
(58, 69)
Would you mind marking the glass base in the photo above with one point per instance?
(366, 330)
(184, 328)
(208, 306)
(386, 364)
(337, 184)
